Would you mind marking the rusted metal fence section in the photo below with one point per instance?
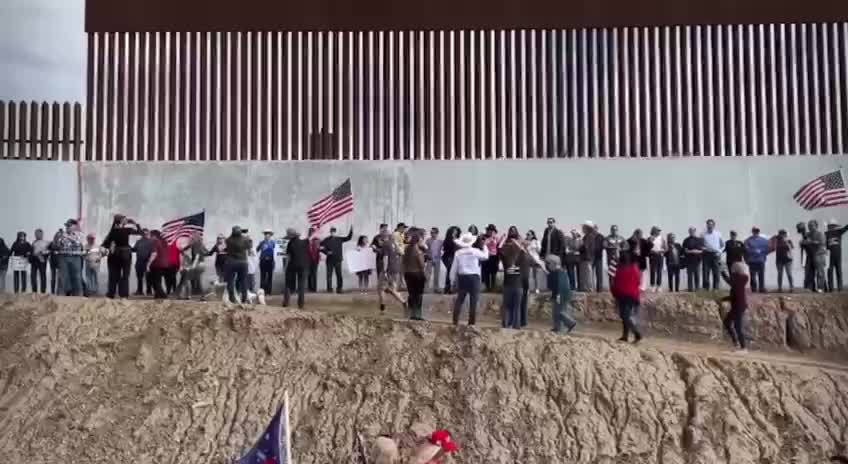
(41, 131)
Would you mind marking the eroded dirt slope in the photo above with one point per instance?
(95, 381)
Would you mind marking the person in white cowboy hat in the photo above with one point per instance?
(267, 250)
(465, 271)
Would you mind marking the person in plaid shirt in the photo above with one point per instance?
(71, 255)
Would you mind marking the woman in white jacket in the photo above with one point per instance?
(465, 271)
(534, 248)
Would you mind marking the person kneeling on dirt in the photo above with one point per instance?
(626, 291)
(432, 449)
(734, 320)
(560, 294)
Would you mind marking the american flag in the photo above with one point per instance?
(183, 227)
(274, 446)
(333, 206)
(823, 191)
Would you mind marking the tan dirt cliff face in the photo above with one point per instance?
(97, 381)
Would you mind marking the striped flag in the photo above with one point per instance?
(183, 227)
(333, 206)
(823, 191)
(612, 266)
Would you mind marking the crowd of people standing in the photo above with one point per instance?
(411, 259)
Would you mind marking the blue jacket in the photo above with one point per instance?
(267, 249)
(756, 249)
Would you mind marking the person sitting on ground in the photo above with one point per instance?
(560, 295)
(734, 320)
(626, 292)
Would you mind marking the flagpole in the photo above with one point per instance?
(288, 429)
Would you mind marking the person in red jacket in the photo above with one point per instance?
(625, 289)
(173, 268)
(314, 249)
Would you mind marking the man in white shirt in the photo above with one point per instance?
(711, 257)
(465, 271)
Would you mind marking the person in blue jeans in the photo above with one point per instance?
(71, 253)
(558, 283)
(466, 269)
(756, 251)
(512, 256)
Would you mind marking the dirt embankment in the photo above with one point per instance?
(804, 322)
(103, 382)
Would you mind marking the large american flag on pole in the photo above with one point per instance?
(333, 206)
(823, 191)
(183, 227)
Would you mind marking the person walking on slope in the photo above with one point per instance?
(466, 269)
(387, 267)
(734, 320)
(560, 295)
(626, 292)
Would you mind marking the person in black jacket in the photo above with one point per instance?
(331, 247)
(4, 264)
(21, 249)
(297, 251)
(640, 250)
(237, 245)
(553, 240)
(119, 260)
(449, 248)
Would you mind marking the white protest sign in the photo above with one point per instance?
(360, 260)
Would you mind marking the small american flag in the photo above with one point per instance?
(183, 227)
(331, 207)
(823, 191)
